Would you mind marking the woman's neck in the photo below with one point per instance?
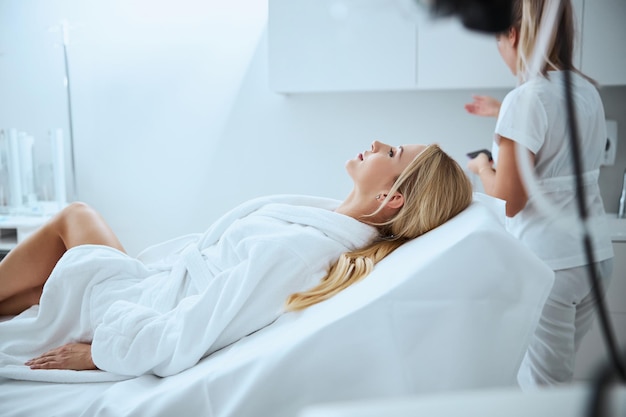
(361, 208)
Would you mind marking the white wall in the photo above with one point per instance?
(174, 121)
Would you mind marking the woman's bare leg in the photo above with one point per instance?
(20, 302)
(26, 267)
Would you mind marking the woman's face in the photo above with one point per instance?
(507, 46)
(376, 169)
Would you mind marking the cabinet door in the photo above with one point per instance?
(604, 32)
(451, 57)
(347, 45)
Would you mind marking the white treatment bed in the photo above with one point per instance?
(452, 310)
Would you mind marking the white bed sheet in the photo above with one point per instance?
(452, 310)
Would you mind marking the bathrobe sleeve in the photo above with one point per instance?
(134, 340)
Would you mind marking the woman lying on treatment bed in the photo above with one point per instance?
(179, 301)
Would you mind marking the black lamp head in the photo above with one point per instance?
(491, 16)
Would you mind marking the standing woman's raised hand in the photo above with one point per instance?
(483, 106)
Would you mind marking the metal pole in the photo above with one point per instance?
(66, 41)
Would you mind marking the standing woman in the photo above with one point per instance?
(533, 119)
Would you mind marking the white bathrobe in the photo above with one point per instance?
(183, 299)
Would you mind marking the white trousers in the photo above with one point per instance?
(567, 316)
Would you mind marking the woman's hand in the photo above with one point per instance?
(484, 106)
(478, 164)
(75, 356)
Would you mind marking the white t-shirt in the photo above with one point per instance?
(534, 115)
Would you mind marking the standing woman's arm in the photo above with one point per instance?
(506, 182)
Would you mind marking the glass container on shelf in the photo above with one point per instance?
(27, 188)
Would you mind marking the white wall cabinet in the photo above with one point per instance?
(604, 32)
(374, 45)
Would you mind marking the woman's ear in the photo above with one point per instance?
(396, 201)
(513, 37)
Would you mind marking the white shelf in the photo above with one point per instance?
(8, 239)
(14, 229)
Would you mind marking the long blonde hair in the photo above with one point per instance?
(527, 18)
(435, 189)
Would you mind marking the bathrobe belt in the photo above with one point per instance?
(196, 267)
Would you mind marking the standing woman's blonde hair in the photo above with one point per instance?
(435, 189)
(527, 18)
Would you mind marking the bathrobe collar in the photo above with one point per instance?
(317, 212)
(338, 227)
